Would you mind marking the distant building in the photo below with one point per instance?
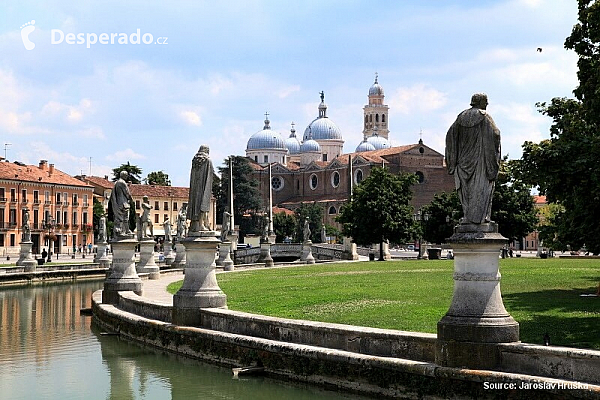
(57, 203)
(316, 170)
(532, 242)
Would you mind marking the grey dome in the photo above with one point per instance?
(365, 146)
(266, 139)
(310, 146)
(292, 143)
(323, 129)
(378, 142)
(376, 89)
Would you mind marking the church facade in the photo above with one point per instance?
(315, 170)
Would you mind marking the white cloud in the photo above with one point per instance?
(417, 98)
(124, 156)
(288, 90)
(191, 118)
(72, 114)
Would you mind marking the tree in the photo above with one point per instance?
(380, 209)
(284, 225)
(314, 213)
(443, 213)
(158, 178)
(247, 198)
(565, 167)
(98, 212)
(133, 170)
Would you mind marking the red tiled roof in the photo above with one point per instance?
(33, 173)
(159, 191)
(540, 200)
(319, 199)
(98, 181)
(279, 210)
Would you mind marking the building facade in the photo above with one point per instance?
(59, 206)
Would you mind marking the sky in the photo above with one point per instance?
(211, 69)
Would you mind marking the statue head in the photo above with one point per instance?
(123, 175)
(145, 199)
(204, 149)
(479, 100)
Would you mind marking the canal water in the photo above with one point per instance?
(49, 351)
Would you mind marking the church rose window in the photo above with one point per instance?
(276, 183)
(335, 179)
(420, 176)
(314, 181)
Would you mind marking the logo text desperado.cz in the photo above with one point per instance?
(57, 37)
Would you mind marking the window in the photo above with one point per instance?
(156, 218)
(58, 198)
(13, 195)
(332, 210)
(255, 158)
(137, 204)
(1, 219)
(2, 197)
(335, 179)
(47, 197)
(421, 150)
(36, 218)
(23, 195)
(64, 240)
(382, 117)
(314, 181)
(420, 176)
(74, 218)
(175, 206)
(277, 183)
(57, 219)
(298, 184)
(324, 157)
(85, 218)
(166, 206)
(12, 239)
(376, 117)
(65, 217)
(75, 199)
(36, 197)
(266, 158)
(156, 206)
(12, 216)
(358, 176)
(65, 197)
(85, 200)
(74, 240)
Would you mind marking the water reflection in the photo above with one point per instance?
(49, 351)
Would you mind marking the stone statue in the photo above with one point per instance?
(201, 178)
(102, 230)
(181, 219)
(120, 198)
(226, 226)
(26, 228)
(265, 235)
(473, 157)
(306, 230)
(145, 222)
(323, 234)
(167, 228)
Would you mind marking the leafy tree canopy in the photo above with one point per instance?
(565, 167)
(158, 178)
(444, 213)
(284, 226)
(380, 209)
(133, 170)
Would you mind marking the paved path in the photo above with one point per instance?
(157, 289)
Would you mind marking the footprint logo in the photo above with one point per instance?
(26, 29)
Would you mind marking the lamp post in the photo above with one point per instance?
(420, 217)
(49, 224)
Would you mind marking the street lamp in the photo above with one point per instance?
(420, 217)
(49, 224)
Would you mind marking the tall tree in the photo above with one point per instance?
(158, 178)
(133, 170)
(565, 167)
(284, 225)
(443, 214)
(314, 213)
(380, 209)
(246, 196)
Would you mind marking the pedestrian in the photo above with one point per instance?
(89, 248)
(44, 254)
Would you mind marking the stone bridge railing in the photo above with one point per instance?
(291, 250)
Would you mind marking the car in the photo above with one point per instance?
(410, 247)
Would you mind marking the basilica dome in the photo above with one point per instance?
(292, 143)
(365, 146)
(378, 142)
(322, 128)
(310, 146)
(266, 139)
(376, 89)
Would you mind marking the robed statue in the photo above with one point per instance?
(119, 199)
(167, 229)
(226, 226)
(473, 157)
(181, 221)
(201, 179)
(25, 226)
(306, 230)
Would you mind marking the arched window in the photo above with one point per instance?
(314, 181)
(420, 176)
(376, 117)
(371, 118)
(382, 117)
(335, 179)
(332, 210)
(358, 176)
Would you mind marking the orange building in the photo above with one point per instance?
(59, 206)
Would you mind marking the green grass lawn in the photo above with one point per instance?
(542, 295)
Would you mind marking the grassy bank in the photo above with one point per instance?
(542, 295)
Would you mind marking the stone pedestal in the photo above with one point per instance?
(477, 319)
(265, 254)
(307, 256)
(147, 264)
(225, 250)
(168, 253)
(25, 260)
(200, 288)
(350, 252)
(180, 259)
(122, 275)
(101, 256)
(386, 251)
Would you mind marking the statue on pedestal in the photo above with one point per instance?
(120, 198)
(181, 220)
(225, 226)
(102, 230)
(167, 228)
(26, 229)
(473, 157)
(145, 222)
(306, 230)
(201, 178)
